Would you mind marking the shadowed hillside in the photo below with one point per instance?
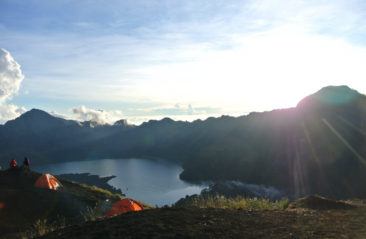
(22, 204)
(316, 147)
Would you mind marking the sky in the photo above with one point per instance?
(149, 59)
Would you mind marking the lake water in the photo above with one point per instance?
(155, 182)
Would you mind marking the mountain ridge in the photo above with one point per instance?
(316, 147)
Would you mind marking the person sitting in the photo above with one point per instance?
(26, 162)
(13, 163)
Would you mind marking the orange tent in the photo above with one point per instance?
(48, 181)
(123, 206)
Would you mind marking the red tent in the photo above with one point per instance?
(48, 181)
(123, 206)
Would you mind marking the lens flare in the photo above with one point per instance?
(344, 141)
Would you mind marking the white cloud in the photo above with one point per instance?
(179, 111)
(100, 116)
(10, 111)
(11, 78)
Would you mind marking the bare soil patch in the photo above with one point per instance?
(319, 203)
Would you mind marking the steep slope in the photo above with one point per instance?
(46, 139)
(22, 204)
(317, 147)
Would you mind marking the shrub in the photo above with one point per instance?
(42, 227)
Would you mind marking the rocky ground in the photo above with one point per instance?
(330, 219)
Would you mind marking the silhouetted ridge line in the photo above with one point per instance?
(314, 148)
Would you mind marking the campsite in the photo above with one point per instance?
(183, 119)
(72, 210)
(27, 197)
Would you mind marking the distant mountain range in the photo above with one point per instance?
(317, 147)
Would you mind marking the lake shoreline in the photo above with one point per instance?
(154, 181)
(92, 180)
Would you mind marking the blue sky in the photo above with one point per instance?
(141, 60)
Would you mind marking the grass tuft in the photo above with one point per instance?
(219, 201)
(42, 227)
(101, 191)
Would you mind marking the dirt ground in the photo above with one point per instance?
(226, 223)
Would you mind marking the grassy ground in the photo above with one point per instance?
(193, 222)
(27, 212)
(28, 208)
(219, 201)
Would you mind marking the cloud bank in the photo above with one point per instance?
(11, 78)
(83, 113)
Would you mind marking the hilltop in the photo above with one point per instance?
(193, 222)
(317, 147)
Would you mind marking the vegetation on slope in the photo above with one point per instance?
(193, 222)
(92, 180)
(220, 201)
(23, 205)
(235, 195)
(76, 212)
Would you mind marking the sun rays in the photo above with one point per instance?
(344, 141)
